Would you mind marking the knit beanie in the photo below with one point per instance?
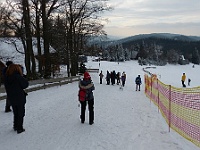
(86, 75)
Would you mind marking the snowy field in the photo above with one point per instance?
(124, 119)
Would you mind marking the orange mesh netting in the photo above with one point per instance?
(180, 107)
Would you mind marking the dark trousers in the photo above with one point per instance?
(183, 83)
(123, 83)
(108, 81)
(137, 87)
(8, 105)
(19, 113)
(100, 80)
(112, 81)
(90, 108)
(118, 81)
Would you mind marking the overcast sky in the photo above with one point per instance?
(132, 17)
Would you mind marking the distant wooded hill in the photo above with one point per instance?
(188, 46)
(167, 40)
(182, 46)
(180, 43)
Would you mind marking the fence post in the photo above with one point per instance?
(44, 85)
(151, 89)
(169, 107)
(158, 95)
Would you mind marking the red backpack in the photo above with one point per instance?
(82, 95)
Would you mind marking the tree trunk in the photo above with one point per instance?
(47, 73)
(29, 47)
(38, 40)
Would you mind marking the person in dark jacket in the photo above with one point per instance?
(113, 77)
(101, 77)
(15, 84)
(138, 82)
(108, 77)
(8, 105)
(118, 78)
(87, 85)
(123, 78)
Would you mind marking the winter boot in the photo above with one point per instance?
(7, 109)
(20, 130)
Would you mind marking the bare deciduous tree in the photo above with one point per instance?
(82, 20)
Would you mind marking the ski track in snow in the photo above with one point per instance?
(124, 120)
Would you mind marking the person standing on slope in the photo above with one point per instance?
(118, 78)
(123, 78)
(15, 84)
(138, 82)
(108, 77)
(183, 80)
(87, 86)
(101, 77)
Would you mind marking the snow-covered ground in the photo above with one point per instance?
(124, 119)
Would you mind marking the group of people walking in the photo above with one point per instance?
(112, 76)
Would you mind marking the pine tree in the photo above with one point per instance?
(195, 57)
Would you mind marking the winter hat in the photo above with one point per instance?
(86, 75)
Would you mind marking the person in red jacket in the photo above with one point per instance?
(87, 85)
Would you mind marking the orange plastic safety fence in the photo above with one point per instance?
(180, 107)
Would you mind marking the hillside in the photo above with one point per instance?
(189, 46)
(161, 36)
(183, 46)
(167, 40)
(124, 119)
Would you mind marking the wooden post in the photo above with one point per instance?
(169, 107)
(151, 89)
(158, 95)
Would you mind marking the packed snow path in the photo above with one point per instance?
(124, 120)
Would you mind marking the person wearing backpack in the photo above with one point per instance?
(138, 82)
(86, 96)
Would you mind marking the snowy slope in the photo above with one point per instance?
(124, 119)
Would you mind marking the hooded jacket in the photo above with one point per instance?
(88, 86)
(15, 85)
